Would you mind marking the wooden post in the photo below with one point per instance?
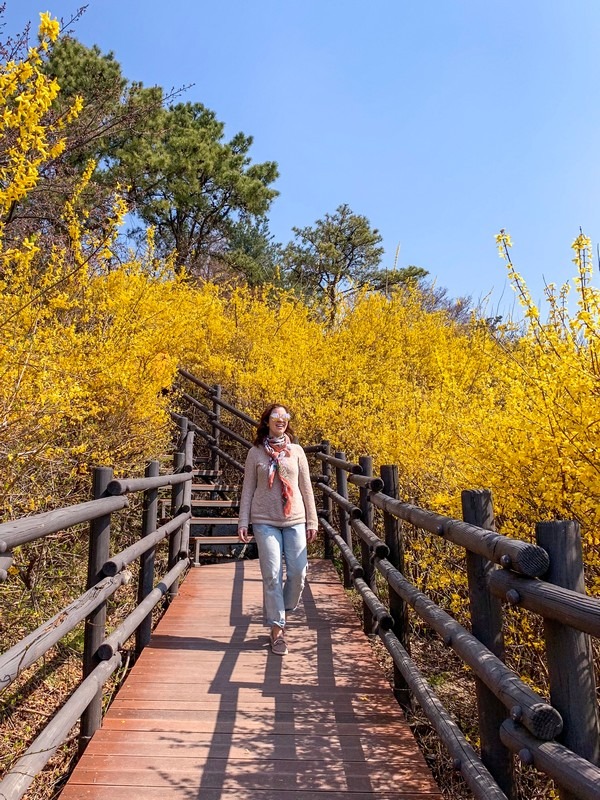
(188, 449)
(177, 495)
(341, 484)
(216, 433)
(146, 577)
(568, 651)
(366, 462)
(398, 607)
(95, 623)
(327, 503)
(183, 429)
(187, 493)
(486, 625)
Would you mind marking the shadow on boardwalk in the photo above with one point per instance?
(208, 712)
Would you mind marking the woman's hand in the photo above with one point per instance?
(243, 535)
(311, 535)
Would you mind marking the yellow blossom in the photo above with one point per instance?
(49, 28)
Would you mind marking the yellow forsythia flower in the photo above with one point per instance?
(49, 28)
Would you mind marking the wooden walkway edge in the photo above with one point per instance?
(209, 713)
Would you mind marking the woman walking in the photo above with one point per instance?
(277, 499)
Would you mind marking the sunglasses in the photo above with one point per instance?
(282, 417)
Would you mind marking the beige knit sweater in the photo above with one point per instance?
(259, 504)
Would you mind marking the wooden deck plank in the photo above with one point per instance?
(208, 540)
(126, 792)
(215, 504)
(236, 745)
(211, 487)
(209, 712)
(232, 773)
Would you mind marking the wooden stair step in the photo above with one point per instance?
(215, 504)
(214, 520)
(211, 487)
(209, 541)
(165, 504)
(207, 473)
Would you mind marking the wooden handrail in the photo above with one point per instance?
(232, 434)
(353, 563)
(570, 770)
(523, 557)
(224, 455)
(119, 636)
(348, 466)
(374, 543)
(90, 605)
(372, 483)
(522, 702)
(27, 651)
(119, 561)
(352, 510)
(541, 721)
(28, 529)
(479, 780)
(6, 560)
(553, 602)
(16, 782)
(207, 388)
(130, 485)
(200, 406)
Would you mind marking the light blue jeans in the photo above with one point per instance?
(276, 546)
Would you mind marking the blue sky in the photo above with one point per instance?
(442, 121)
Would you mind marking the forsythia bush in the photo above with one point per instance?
(545, 439)
(86, 345)
(455, 406)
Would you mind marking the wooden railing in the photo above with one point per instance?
(560, 739)
(106, 574)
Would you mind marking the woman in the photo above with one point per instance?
(277, 498)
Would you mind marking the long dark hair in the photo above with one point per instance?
(263, 425)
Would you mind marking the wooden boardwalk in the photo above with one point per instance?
(209, 713)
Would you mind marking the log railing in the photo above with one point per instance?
(560, 738)
(106, 574)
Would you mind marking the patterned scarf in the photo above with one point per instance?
(277, 449)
